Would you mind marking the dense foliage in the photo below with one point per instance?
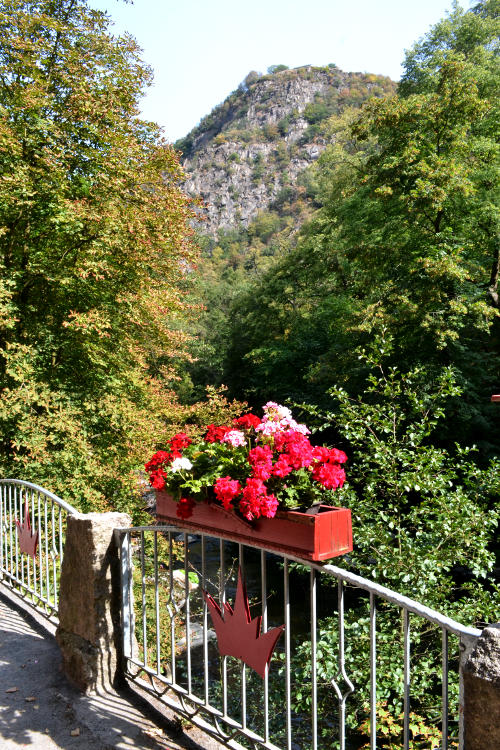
(94, 253)
(406, 237)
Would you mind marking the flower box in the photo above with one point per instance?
(310, 536)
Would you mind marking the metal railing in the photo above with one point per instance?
(358, 664)
(34, 578)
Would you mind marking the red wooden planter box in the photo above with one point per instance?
(318, 536)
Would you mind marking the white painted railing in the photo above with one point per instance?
(332, 671)
(36, 578)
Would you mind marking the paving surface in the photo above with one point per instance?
(41, 710)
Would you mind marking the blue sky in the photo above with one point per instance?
(200, 50)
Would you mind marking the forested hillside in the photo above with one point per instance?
(247, 156)
(251, 161)
(398, 231)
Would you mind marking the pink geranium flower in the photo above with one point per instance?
(236, 438)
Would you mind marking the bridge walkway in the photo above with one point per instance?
(39, 709)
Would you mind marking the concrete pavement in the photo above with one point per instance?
(41, 710)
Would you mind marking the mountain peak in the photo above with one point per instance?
(253, 146)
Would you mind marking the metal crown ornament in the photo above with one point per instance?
(28, 541)
(238, 635)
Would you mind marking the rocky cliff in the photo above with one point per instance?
(248, 153)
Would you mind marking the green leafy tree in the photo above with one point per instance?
(425, 523)
(406, 236)
(94, 248)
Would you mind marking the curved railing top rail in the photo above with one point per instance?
(403, 601)
(67, 507)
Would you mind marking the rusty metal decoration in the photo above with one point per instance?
(28, 541)
(238, 635)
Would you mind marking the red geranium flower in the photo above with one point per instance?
(268, 506)
(159, 459)
(226, 489)
(247, 421)
(215, 433)
(260, 459)
(185, 507)
(282, 466)
(250, 502)
(179, 442)
(157, 479)
(330, 476)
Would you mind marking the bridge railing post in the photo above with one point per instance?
(89, 633)
(481, 682)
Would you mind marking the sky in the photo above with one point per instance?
(200, 50)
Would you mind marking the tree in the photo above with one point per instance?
(425, 524)
(94, 249)
(407, 233)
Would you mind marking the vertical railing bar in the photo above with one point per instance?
(40, 565)
(40, 548)
(287, 655)
(263, 578)
(144, 614)
(54, 553)
(10, 530)
(60, 536)
(46, 538)
(5, 530)
(340, 596)
(205, 618)
(406, 718)
(188, 611)
(24, 497)
(125, 575)
(314, 684)
(243, 673)
(373, 672)
(172, 608)
(157, 603)
(17, 515)
(29, 559)
(34, 528)
(222, 600)
(130, 564)
(444, 720)
(60, 540)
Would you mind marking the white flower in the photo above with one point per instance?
(180, 464)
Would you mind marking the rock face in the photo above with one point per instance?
(89, 609)
(249, 152)
(482, 692)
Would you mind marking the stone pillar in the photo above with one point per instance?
(481, 676)
(89, 632)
